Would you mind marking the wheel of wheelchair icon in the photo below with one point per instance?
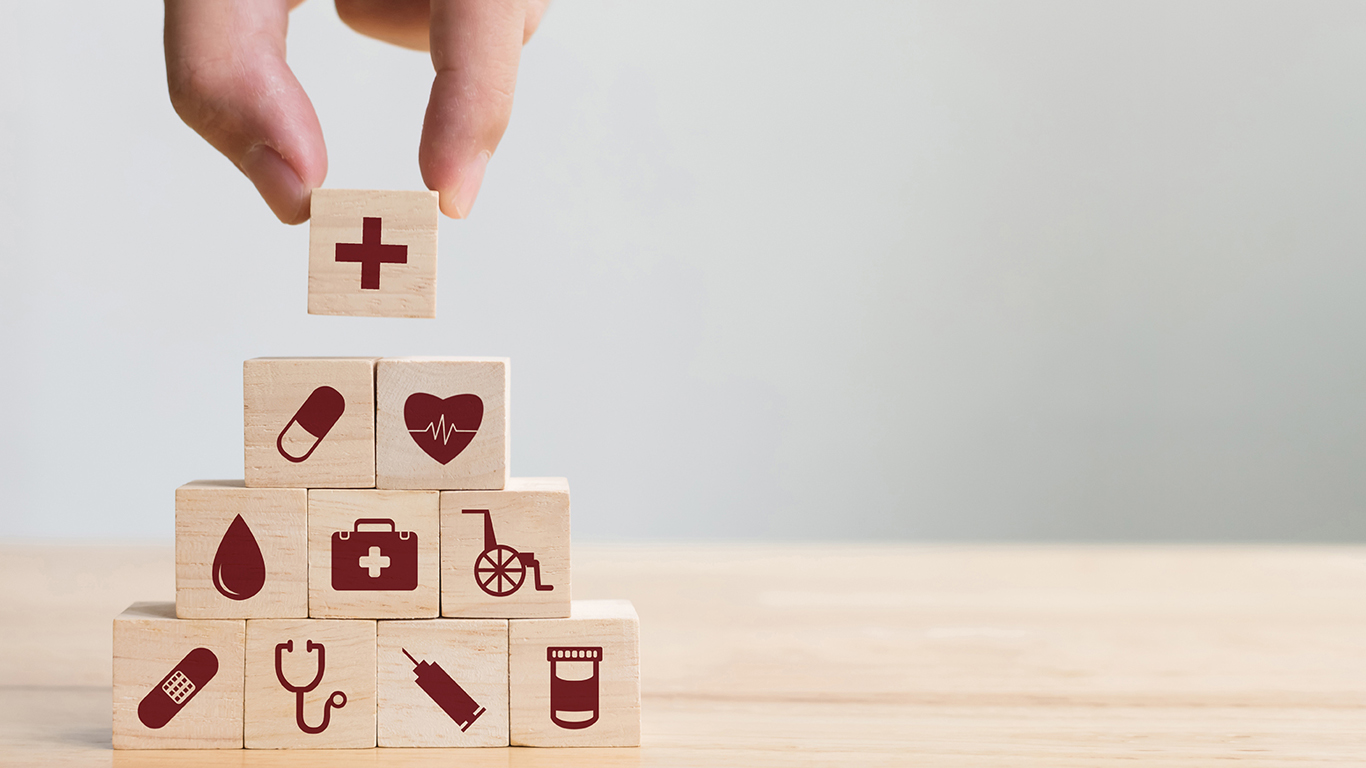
(499, 571)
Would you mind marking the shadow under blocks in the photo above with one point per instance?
(376, 578)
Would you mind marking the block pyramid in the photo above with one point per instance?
(375, 579)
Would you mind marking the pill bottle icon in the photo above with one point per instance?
(574, 686)
(311, 423)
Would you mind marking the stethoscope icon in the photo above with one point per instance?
(332, 701)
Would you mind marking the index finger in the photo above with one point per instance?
(476, 49)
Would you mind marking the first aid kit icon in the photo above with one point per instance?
(374, 560)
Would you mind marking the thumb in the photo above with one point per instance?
(228, 80)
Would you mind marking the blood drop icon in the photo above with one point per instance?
(239, 571)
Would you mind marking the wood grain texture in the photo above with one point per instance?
(473, 654)
(407, 218)
(530, 516)
(278, 521)
(608, 632)
(838, 654)
(149, 645)
(348, 665)
(274, 392)
(401, 463)
(416, 513)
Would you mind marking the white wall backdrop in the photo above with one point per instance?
(942, 270)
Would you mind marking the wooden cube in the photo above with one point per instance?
(442, 422)
(575, 682)
(505, 554)
(310, 422)
(177, 682)
(443, 683)
(374, 554)
(310, 684)
(372, 253)
(240, 552)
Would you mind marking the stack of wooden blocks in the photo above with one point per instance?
(377, 578)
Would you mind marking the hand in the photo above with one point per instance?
(225, 65)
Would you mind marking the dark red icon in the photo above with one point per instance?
(374, 560)
(177, 688)
(447, 693)
(443, 428)
(336, 700)
(315, 417)
(239, 571)
(573, 686)
(370, 253)
(500, 570)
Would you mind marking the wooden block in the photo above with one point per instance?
(505, 554)
(374, 554)
(372, 253)
(575, 682)
(241, 553)
(310, 422)
(177, 682)
(443, 683)
(442, 422)
(310, 684)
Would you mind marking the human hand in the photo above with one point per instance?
(225, 65)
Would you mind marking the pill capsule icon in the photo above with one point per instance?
(177, 688)
(311, 423)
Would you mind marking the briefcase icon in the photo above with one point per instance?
(374, 560)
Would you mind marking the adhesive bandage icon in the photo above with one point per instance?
(310, 424)
(574, 685)
(176, 689)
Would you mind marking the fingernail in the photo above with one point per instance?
(277, 182)
(457, 204)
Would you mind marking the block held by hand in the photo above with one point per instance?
(372, 253)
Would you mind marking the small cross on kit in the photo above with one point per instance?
(374, 562)
(372, 253)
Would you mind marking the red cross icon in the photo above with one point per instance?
(371, 254)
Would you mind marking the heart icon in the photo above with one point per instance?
(443, 428)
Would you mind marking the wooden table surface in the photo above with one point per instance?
(839, 655)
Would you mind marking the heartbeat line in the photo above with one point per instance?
(440, 431)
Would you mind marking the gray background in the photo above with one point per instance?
(929, 270)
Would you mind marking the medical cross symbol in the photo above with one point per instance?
(375, 562)
(370, 253)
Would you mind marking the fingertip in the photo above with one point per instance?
(457, 200)
(535, 11)
(278, 184)
(448, 206)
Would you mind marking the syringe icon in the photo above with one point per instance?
(447, 693)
